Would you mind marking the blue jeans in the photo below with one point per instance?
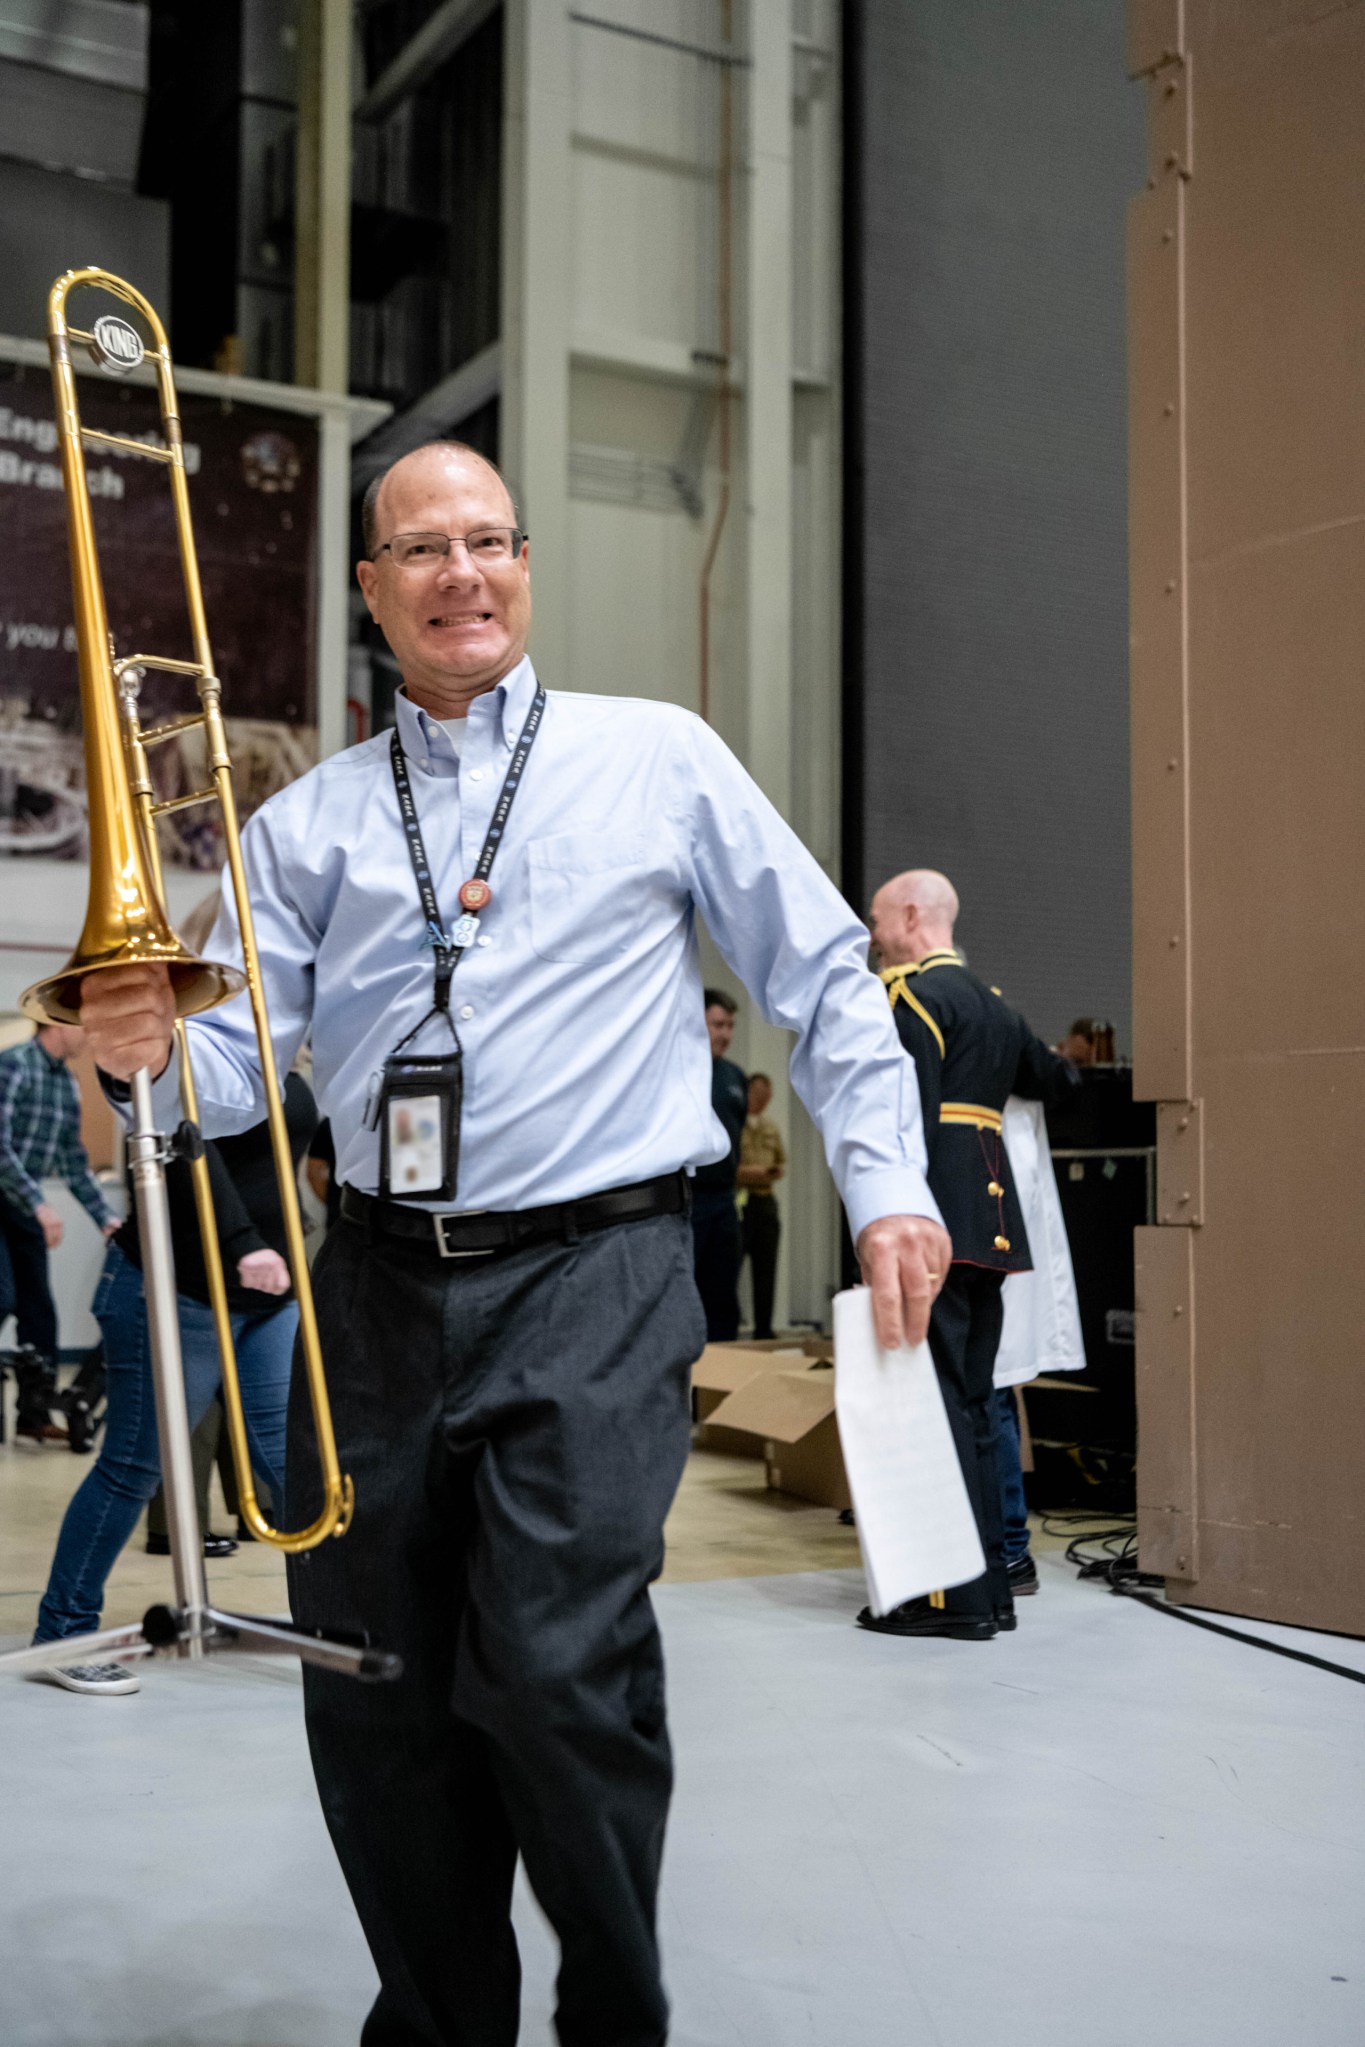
(1013, 1504)
(105, 1508)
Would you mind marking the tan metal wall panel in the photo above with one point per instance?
(1180, 1163)
(1270, 316)
(1279, 1392)
(1155, 33)
(1168, 1534)
(1274, 370)
(1160, 754)
(1278, 823)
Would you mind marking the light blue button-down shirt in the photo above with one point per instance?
(579, 1006)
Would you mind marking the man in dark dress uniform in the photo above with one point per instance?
(715, 1219)
(971, 1052)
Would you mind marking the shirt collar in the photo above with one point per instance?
(422, 739)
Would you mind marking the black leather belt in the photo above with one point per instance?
(483, 1232)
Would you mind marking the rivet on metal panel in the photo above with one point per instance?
(1171, 587)
(1175, 938)
(1168, 234)
(1170, 88)
(1178, 1311)
(1172, 160)
(1169, 411)
(1183, 1124)
(1171, 767)
(1182, 1563)
(1183, 1200)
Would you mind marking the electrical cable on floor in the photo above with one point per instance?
(1118, 1567)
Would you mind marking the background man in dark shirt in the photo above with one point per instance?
(715, 1220)
(762, 1163)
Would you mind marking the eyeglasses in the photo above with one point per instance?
(488, 546)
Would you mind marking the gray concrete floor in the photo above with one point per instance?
(1106, 1828)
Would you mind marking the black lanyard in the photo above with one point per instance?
(475, 894)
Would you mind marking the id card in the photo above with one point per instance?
(419, 1128)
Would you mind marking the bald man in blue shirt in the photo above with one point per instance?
(507, 1305)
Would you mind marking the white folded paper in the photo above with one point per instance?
(915, 1522)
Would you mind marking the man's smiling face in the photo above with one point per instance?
(456, 626)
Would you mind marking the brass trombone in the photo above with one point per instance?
(127, 925)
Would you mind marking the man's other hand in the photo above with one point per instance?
(50, 1223)
(128, 1016)
(905, 1261)
(264, 1270)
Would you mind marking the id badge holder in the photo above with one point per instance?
(419, 1126)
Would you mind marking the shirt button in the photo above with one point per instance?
(466, 1012)
(476, 774)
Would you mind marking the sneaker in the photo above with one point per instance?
(96, 1678)
(1023, 1576)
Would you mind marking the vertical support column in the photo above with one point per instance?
(765, 348)
(322, 202)
(1159, 602)
(767, 354)
(322, 322)
(1163, 1055)
(537, 305)
(334, 574)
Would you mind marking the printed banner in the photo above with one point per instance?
(253, 497)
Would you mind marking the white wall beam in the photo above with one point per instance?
(537, 301)
(767, 353)
(322, 200)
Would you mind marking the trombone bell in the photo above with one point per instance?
(198, 983)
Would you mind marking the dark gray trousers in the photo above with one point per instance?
(516, 1429)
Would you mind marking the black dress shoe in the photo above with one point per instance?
(1023, 1576)
(920, 1617)
(214, 1545)
(1005, 1619)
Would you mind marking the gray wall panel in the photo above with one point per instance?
(50, 223)
(999, 145)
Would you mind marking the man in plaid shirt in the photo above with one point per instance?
(40, 1139)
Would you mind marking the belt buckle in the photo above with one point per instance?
(439, 1221)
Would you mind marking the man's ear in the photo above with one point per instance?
(368, 581)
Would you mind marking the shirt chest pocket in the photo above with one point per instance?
(588, 894)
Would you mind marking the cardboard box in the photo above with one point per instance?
(720, 1370)
(791, 1414)
(820, 1348)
